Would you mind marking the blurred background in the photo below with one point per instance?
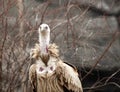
(86, 31)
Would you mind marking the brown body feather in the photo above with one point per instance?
(60, 75)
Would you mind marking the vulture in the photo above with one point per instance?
(49, 73)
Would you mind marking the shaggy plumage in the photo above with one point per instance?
(53, 76)
(52, 51)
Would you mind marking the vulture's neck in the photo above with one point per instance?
(44, 42)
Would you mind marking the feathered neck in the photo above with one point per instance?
(44, 39)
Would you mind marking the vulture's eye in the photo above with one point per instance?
(46, 27)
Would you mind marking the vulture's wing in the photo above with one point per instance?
(32, 77)
(69, 77)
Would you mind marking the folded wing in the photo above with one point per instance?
(68, 77)
(32, 77)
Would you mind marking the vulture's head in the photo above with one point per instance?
(44, 30)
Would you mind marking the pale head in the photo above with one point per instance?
(44, 29)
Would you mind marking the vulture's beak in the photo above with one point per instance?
(43, 30)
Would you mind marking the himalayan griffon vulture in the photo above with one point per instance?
(50, 73)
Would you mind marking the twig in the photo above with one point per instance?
(42, 18)
(112, 76)
(115, 36)
(100, 86)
